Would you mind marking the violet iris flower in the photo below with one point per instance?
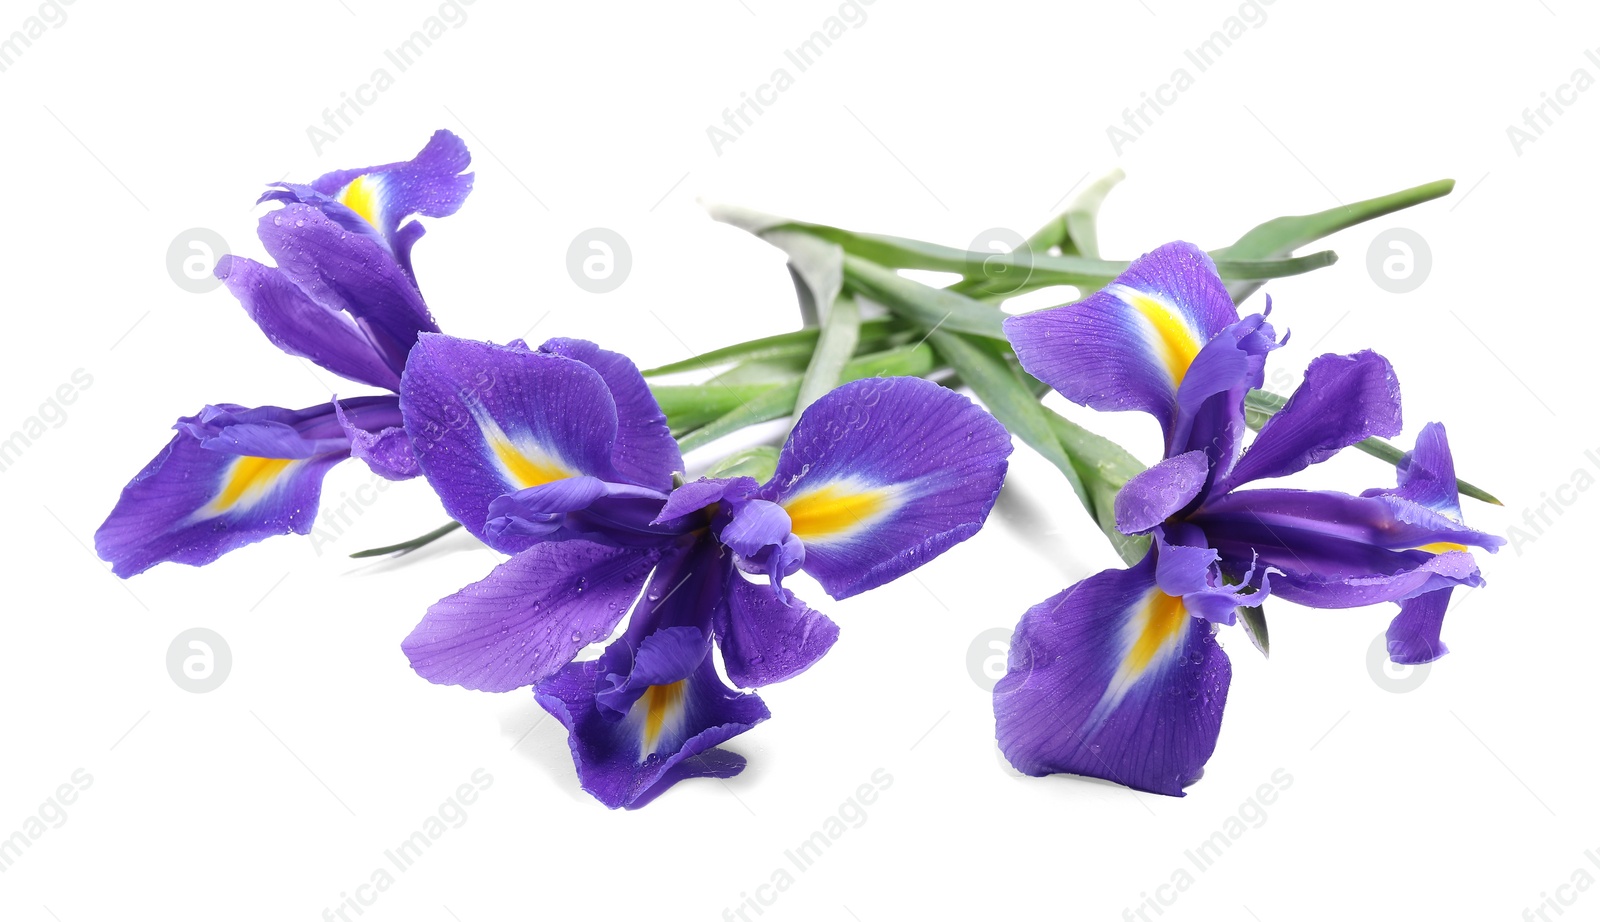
(342, 295)
(561, 457)
(1120, 677)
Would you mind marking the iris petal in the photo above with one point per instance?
(645, 452)
(529, 617)
(489, 420)
(230, 477)
(345, 272)
(666, 736)
(766, 638)
(882, 475)
(300, 326)
(1130, 345)
(375, 200)
(1113, 679)
(1343, 400)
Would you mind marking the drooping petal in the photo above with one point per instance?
(766, 638)
(665, 657)
(489, 420)
(1427, 474)
(1210, 413)
(230, 477)
(699, 495)
(1113, 679)
(341, 271)
(645, 452)
(1413, 636)
(1334, 550)
(1343, 400)
(760, 535)
(376, 200)
(1154, 494)
(629, 761)
(380, 441)
(1194, 574)
(529, 617)
(610, 513)
(1130, 345)
(882, 475)
(300, 326)
(1427, 477)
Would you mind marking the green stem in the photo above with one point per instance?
(413, 544)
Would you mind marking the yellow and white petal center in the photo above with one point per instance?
(247, 482)
(364, 196)
(522, 463)
(838, 511)
(1171, 337)
(660, 712)
(1151, 636)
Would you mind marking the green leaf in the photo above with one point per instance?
(927, 307)
(905, 253)
(781, 347)
(1260, 406)
(1001, 387)
(411, 545)
(759, 462)
(814, 267)
(690, 406)
(841, 329)
(1081, 216)
(1282, 236)
(1255, 627)
(1103, 466)
(778, 401)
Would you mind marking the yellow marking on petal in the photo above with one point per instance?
(1154, 629)
(1164, 618)
(1441, 547)
(834, 511)
(363, 196)
(525, 469)
(1173, 340)
(248, 480)
(661, 703)
(522, 465)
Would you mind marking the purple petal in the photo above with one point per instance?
(664, 657)
(766, 638)
(529, 617)
(300, 326)
(1113, 679)
(759, 534)
(205, 494)
(540, 511)
(882, 475)
(1414, 633)
(1153, 495)
(711, 763)
(489, 420)
(341, 271)
(697, 495)
(645, 452)
(380, 441)
(1427, 474)
(628, 762)
(1130, 345)
(1343, 400)
(1210, 405)
(1194, 574)
(430, 184)
(1340, 551)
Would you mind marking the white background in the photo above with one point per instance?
(1468, 797)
